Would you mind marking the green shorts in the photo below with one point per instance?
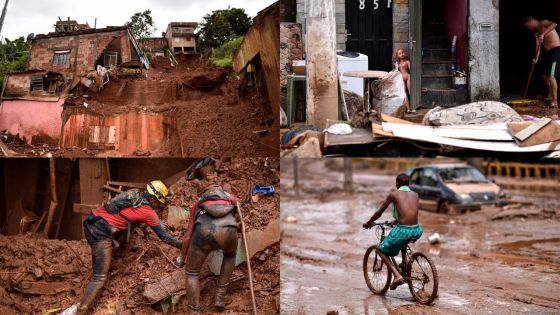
(392, 244)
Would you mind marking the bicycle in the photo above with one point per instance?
(415, 268)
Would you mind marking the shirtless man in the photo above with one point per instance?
(547, 37)
(405, 213)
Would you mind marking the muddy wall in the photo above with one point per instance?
(132, 132)
(32, 119)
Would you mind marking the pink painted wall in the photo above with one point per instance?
(455, 15)
(31, 118)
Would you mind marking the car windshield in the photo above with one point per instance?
(462, 175)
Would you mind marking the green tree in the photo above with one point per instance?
(13, 56)
(142, 25)
(222, 26)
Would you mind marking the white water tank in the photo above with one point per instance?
(352, 61)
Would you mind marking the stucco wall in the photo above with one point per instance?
(30, 119)
(484, 68)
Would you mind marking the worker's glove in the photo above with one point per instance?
(179, 262)
(367, 225)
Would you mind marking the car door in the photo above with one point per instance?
(431, 191)
(415, 183)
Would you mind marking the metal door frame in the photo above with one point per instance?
(415, 49)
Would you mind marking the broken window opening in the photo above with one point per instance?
(51, 83)
(36, 83)
(177, 49)
(61, 57)
(110, 59)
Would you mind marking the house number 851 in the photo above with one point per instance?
(375, 4)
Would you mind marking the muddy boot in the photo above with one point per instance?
(222, 297)
(194, 310)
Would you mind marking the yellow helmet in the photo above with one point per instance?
(158, 189)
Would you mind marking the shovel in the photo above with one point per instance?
(531, 73)
(247, 259)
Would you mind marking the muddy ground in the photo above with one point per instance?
(211, 108)
(488, 262)
(37, 275)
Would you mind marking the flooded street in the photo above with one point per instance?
(488, 262)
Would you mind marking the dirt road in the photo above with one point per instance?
(485, 266)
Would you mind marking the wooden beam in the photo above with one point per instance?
(93, 175)
(84, 208)
(127, 184)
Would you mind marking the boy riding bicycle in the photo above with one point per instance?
(405, 213)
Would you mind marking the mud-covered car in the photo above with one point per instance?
(454, 188)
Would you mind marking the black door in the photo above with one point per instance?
(369, 24)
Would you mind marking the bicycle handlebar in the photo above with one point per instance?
(381, 224)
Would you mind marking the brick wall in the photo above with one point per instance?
(400, 24)
(84, 51)
(291, 48)
(154, 44)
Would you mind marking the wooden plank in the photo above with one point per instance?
(83, 208)
(128, 184)
(392, 119)
(358, 136)
(532, 129)
(549, 133)
(93, 175)
(413, 132)
(111, 189)
(470, 133)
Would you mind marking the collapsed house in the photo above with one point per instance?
(60, 63)
(258, 56)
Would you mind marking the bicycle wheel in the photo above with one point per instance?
(376, 273)
(423, 283)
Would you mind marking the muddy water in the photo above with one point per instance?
(484, 266)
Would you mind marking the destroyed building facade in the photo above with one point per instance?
(32, 100)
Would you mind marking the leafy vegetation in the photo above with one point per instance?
(222, 56)
(13, 56)
(142, 25)
(222, 26)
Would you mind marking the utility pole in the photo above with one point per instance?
(320, 52)
(3, 15)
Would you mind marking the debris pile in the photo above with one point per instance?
(194, 107)
(39, 275)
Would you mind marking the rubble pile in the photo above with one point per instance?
(38, 275)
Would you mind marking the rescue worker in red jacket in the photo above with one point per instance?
(117, 216)
(212, 226)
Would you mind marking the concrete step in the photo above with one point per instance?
(444, 97)
(440, 81)
(436, 68)
(435, 54)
